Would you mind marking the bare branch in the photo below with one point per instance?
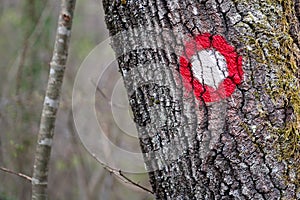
(28, 178)
(121, 176)
(117, 173)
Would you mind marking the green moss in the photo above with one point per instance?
(288, 86)
(277, 51)
(274, 49)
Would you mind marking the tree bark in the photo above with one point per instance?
(51, 102)
(244, 146)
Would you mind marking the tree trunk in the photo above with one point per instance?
(235, 139)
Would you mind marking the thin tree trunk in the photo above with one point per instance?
(242, 143)
(51, 102)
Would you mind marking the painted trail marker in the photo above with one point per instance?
(211, 67)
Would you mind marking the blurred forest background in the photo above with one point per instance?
(27, 31)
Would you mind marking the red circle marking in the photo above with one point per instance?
(218, 43)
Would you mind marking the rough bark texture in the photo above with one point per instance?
(243, 147)
(51, 102)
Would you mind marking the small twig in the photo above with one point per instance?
(106, 97)
(134, 183)
(120, 175)
(28, 178)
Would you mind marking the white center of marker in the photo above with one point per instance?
(209, 67)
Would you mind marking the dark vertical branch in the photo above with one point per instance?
(51, 101)
(297, 9)
(32, 14)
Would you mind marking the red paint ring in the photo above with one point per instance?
(233, 61)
